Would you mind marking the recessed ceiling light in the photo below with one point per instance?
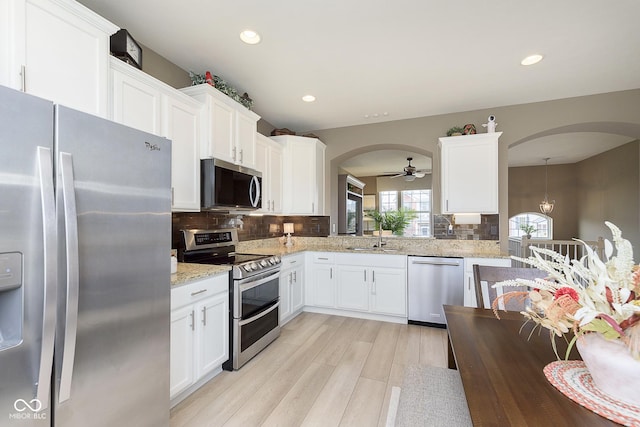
(250, 37)
(531, 59)
(308, 98)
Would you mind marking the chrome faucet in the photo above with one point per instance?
(380, 242)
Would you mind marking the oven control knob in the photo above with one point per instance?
(264, 263)
(253, 266)
(272, 261)
(276, 259)
(247, 267)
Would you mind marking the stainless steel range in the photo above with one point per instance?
(254, 290)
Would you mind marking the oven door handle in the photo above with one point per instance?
(251, 282)
(259, 315)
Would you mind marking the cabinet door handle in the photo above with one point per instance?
(295, 276)
(193, 320)
(233, 153)
(330, 272)
(23, 78)
(373, 276)
(193, 294)
(172, 196)
(204, 316)
(365, 275)
(313, 207)
(292, 262)
(241, 155)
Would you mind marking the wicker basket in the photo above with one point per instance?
(283, 131)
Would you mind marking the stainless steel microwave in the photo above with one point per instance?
(225, 186)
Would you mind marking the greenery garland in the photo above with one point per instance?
(224, 87)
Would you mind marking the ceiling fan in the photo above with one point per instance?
(410, 172)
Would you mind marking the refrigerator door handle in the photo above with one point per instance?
(45, 169)
(71, 244)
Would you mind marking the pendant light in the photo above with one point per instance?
(546, 206)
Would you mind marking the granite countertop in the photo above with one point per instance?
(282, 250)
(190, 272)
(418, 247)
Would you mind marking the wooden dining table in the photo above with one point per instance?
(501, 365)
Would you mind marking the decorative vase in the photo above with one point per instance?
(614, 371)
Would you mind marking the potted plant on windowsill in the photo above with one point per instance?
(394, 221)
(528, 229)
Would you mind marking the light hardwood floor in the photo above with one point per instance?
(322, 371)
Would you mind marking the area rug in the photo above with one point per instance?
(432, 396)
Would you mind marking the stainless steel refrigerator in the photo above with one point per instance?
(85, 238)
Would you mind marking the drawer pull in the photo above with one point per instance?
(324, 259)
(201, 291)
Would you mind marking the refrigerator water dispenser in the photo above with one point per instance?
(10, 299)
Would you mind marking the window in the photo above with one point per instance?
(543, 225)
(418, 201)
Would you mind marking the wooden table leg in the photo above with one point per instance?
(452, 359)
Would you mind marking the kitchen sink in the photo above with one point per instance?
(371, 249)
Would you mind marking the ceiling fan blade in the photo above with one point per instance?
(398, 175)
(419, 174)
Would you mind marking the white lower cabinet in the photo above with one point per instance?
(199, 332)
(469, 282)
(321, 279)
(373, 284)
(389, 291)
(353, 287)
(291, 286)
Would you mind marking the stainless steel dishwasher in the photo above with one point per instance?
(432, 282)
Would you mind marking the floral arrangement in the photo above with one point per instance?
(588, 295)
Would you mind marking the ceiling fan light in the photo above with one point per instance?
(409, 178)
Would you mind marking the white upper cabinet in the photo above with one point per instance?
(181, 124)
(269, 162)
(229, 129)
(57, 50)
(470, 173)
(136, 98)
(303, 175)
(245, 139)
(144, 102)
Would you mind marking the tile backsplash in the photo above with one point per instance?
(249, 227)
(488, 228)
(258, 227)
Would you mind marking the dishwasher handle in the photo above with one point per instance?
(446, 263)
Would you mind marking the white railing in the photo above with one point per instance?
(520, 247)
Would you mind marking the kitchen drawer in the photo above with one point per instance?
(290, 261)
(323, 257)
(201, 289)
(372, 260)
